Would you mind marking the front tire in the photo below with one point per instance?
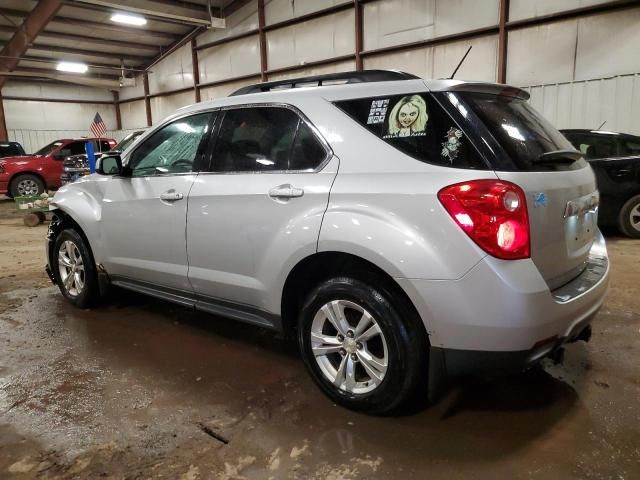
(26, 184)
(74, 269)
(629, 220)
(363, 347)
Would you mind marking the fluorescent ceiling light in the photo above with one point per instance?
(73, 67)
(128, 19)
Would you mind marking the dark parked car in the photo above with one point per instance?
(11, 149)
(77, 166)
(615, 158)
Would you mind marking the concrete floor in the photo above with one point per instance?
(143, 389)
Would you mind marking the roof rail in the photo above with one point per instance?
(328, 79)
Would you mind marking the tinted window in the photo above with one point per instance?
(593, 146)
(10, 150)
(265, 139)
(416, 125)
(46, 150)
(171, 149)
(521, 131)
(630, 147)
(73, 148)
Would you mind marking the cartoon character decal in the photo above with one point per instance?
(408, 117)
(451, 147)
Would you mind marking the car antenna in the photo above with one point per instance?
(460, 64)
(601, 125)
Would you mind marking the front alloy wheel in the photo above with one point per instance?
(349, 347)
(71, 268)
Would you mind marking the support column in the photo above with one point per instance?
(147, 99)
(116, 104)
(502, 41)
(359, 33)
(196, 69)
(3, 124)
(264, 66)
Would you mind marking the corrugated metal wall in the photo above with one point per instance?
(579, 71)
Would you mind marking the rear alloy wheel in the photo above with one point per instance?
(26, 184)
(363, 347)
(629, 220)
(74, 269)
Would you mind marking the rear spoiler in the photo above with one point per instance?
(491, 88)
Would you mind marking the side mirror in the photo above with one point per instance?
(109, 165)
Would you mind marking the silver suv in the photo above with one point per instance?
(404, 230)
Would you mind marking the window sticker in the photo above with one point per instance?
(408, 118)
(378, 111)
(451, 146)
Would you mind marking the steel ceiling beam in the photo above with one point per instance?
(87, 53)
(151, 9)
(21, 40)
(75, 22)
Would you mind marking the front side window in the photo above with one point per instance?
(48, 149)
(263, 139)
(416, 125)
(172, 149)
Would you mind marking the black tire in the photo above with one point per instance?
(26, 181)
(630, 210)
(89, 294)
(405, 336)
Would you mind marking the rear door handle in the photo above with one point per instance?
(286, 191)
(621, 173)
(171, 196)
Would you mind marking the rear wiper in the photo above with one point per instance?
(559, 156)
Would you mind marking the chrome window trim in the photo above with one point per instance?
(325, 145)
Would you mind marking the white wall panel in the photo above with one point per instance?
(36, 115)
(162, 107)
(395, 22)
(608, 44)
(223, 90)
(586, 104)
(441, 60)
(418, 61)
(55, 91)
(234, 59)
(173, 72)
(319, 39)
(242, 20)
(133, 114)
(280, 10)
(542, 54)
(455, 16)
(520, 9)
(346, 66)
(133, 92)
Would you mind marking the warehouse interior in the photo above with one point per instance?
(141, 388)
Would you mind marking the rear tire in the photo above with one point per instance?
(376, 367)
(74, 269)
(629, 219)
(26, 184)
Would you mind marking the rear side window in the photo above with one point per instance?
(417, 125)
(263, 139)
(522, 132)
(594, 146)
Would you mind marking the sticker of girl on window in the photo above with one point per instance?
(408, 118)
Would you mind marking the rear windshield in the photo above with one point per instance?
(521, 131)
(10, 150)
(417, 125)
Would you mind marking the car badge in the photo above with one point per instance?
(539, 200)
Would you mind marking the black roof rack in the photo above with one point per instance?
(328, 79)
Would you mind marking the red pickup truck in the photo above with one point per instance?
(34, 174)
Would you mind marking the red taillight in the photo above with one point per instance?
(493, 213)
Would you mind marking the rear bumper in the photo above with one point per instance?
(503, 309)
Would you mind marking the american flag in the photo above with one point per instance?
(97, 127)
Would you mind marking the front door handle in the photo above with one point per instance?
(171, 196)
(286, 191)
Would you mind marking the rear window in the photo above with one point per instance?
(521, 131)
(416, 125)
(10, 150)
